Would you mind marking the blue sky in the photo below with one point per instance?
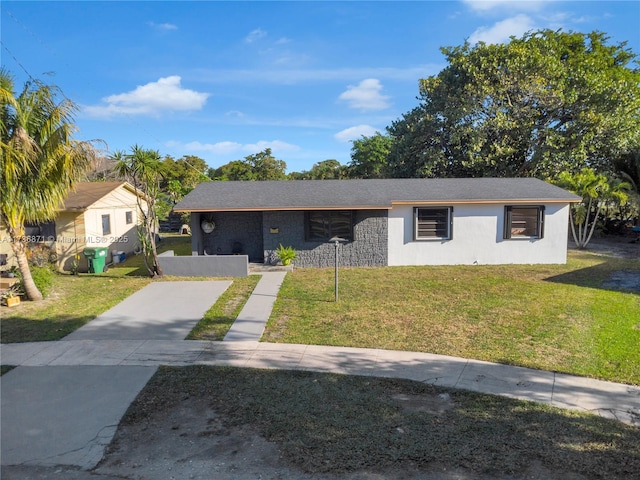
(223, 80)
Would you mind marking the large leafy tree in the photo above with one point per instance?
(260, 166)
(369, 156)
(40, 161)
(188, 171)
(325, 170)
(145, 171)
(547, 102)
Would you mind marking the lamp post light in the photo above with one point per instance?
(337, 241)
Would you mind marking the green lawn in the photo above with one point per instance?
(551, 317)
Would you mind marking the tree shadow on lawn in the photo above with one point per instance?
(613, 274)
(19, 329)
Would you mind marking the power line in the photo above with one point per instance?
(17, 61)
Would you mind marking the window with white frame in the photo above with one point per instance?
(433, 223)
(523, 221)
(128, 217)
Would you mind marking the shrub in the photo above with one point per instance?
(286, 254)
(43, 278)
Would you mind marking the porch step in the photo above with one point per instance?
(261, 267)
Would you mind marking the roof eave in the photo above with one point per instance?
(510, 201)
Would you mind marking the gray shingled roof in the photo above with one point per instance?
(366, 194)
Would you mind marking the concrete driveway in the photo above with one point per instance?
(67, 415)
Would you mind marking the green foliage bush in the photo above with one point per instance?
(43, 278)
(286, 254)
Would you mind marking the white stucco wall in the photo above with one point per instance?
(477, 238)
(123, 236)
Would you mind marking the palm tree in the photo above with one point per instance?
(628, 167)
(40, 162)
(596, 191)
(144, 170)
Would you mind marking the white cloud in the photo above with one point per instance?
(501, 31)
(151, 99)
(354, 133)
(254, 35)
(163, 26)
(229, 148)
(366, 95)
(220, 148)
(275, 145)
(502, 5)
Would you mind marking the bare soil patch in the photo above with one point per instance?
(620, 246)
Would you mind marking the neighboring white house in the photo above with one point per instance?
(384, 222)
(96, 214)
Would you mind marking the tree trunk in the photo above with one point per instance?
(19, 249)
(154, 252)
(593, 227)
(573, 228)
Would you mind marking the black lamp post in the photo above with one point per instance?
(337, 241)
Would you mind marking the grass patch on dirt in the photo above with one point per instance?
(216, 322)
(550, 317)
(330, 423)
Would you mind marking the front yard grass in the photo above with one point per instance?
(550, 317)
(336, 424)
(218, 320)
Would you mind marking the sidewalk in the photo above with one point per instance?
(64, 402)
(607, 399)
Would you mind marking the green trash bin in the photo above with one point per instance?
(96, 256)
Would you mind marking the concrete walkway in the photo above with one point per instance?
(64, 402)
(251, 321)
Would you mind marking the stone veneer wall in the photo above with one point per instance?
(368, 248)
(231, 227)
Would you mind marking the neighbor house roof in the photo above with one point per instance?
(366, 194)
(88, 193)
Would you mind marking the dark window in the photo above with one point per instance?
(323, 225)
(524, 222)
(106, 224)
(433, 223)
(128, 217)
(40, 232)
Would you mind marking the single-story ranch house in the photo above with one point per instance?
(384, 222)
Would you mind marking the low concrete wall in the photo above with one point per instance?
(204, 265)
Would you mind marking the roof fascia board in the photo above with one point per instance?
(475, 202)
